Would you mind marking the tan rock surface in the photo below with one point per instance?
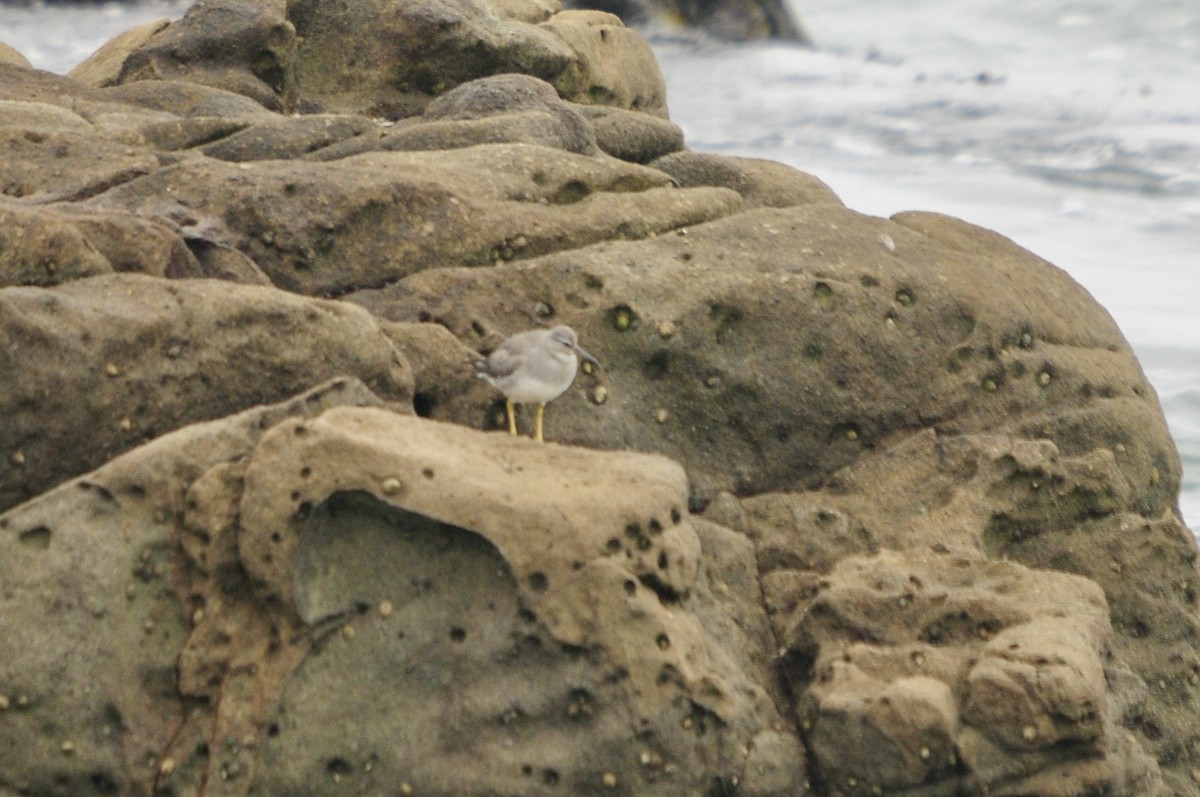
(245, 47)
(610, 64)
(569, 623)
(957, 674)
(370, 219)
(960, 494)
(939, 551)
(784, 344)
(103, 67)
(761, 183)
(13, 57)
(120, 359)
(50, 244)
(93, 706)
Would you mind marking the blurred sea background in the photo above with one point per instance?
(1070, 126)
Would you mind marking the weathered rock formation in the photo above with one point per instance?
(855, 506)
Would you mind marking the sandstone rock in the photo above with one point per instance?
(241, 46)
(407, 551)
(444, 383)
(500, 94)
(12, 57)
(66, 166)
(30, 94)
(37, 248)
(501, 109)
(40, 118)
(48, 245)
(874, 415)
(19, 82)
(390, 60)
(633, 136)
(761, 183)
(506, 94)
(610, 65)
(950, 672)
(287, 137)
(103, 67)
(365, 221)
(90, 708)
(537, 640)
(189, 99)
(166, 132)
(784, 344)
(526, 127)
(104, 364)
(962, 494)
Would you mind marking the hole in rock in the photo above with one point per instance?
(570, 192)
(38, 537)
(103, 783)
(665, 592)
(622, 318)
(423, 404)
(658, 366)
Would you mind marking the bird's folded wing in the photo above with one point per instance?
(501, 363)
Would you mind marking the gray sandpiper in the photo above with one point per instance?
(533, 367)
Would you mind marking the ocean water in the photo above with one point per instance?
(1071, 126)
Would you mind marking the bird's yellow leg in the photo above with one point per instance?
(512, 417)
(541, 409)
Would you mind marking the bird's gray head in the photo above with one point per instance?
(566, 337)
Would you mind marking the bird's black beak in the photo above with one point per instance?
(585, 356)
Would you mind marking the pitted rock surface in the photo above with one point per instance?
(210, 588)
(120, 359)
(947, 670)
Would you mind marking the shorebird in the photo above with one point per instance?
(533, 367)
